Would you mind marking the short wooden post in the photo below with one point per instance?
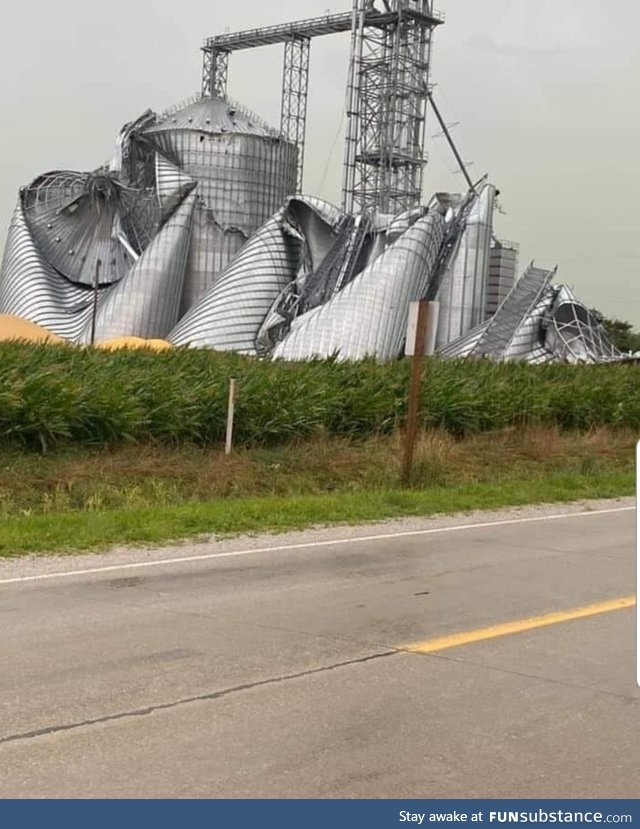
(231, 413)
(418, 350)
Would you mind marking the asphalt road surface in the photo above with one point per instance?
(480, 656)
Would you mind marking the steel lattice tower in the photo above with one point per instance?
(215, 71)
(295, 87)
(387, 93)
(386, 106)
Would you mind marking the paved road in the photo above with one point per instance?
(289, 672)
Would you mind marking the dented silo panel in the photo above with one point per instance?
(463, 287)
(244, 171)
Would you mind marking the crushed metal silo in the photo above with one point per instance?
(463, 284)
(244, 171)
(147, 300)
(229, 315)
(574, 334)
(32, 289)
(538, 322)
(515, 332)
(368, 317)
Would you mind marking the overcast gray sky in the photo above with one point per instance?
(546, 93)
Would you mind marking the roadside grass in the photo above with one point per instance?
(80, 499)
(80, 531)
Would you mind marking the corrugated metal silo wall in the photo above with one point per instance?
(242, 181)
(503, 265)
(463, 290)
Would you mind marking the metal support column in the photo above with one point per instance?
(215, 71)
(388, 89)
(386, 95)
(450, 141)
(295, 89)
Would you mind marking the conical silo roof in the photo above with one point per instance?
(214, 116)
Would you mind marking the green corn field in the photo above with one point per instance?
(56, 395)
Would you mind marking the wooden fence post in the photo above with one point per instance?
(231, 413)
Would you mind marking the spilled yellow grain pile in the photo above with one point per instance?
(134, 342)
(14, 328)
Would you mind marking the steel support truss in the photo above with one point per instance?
(295, 89)
(386, 96)
(215, 71)
(386, 106)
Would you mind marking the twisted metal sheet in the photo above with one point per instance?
(515, 331)
(74, 221)
(30, 288)
(573, 333)
(462, 292)
(466, 345)
(538, 323)
(244, 172)
(230, 314)
(172, 185)
(146, 302)
(368, 318)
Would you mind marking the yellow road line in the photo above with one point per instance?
(456, 640)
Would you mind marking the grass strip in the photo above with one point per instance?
(85, 530)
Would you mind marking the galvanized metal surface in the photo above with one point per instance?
(463, 287)
(32, 289)
(466, 345)
(369, 316)
(230, 314)
(244, 172)
(537, 323)
(171, 241)
(172, 185)
(516, 328)
(146, 302)
(75, 220)
(212, 116)
(574, 334)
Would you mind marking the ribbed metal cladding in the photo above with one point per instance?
(32, 289)
(74, 220)
(528, 336)
(230, 314)
(516, 330)
(146, 303)
(503, 265)
(463, 288)
(368, 318)
(172, 185)
(574, 334)
(466, 345)
(244, 172)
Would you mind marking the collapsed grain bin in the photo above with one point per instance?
(244, 171)
(197, 233)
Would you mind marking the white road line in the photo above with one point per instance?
(307, 545)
